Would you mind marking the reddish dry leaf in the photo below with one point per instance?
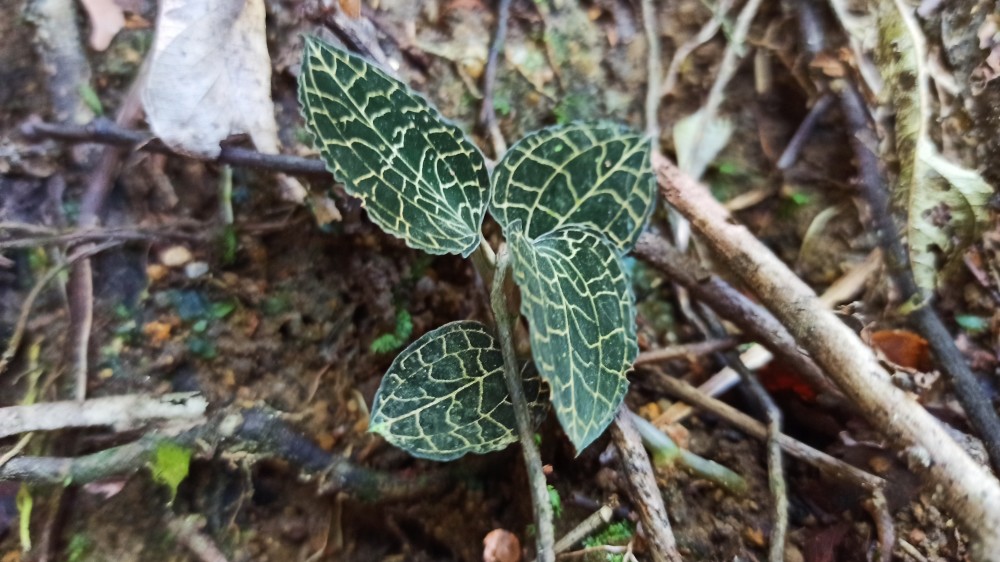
(501, 546)
(903, 348)
(778, 377)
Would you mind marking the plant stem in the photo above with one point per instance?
(525, 430)
(666, 452)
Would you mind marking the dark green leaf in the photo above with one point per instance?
(593, 174)
(418, 176)
(581, 314)
(445, 395)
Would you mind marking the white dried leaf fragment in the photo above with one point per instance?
(210, 76)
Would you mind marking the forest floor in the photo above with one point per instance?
(217, 284)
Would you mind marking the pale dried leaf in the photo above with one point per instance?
(698, 140)
(210, 76)
(106, 19)
(944, 202)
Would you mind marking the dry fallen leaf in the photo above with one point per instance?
(501, 546)
(210, 77)
(351, 7)
(106, 19)
(903, 348)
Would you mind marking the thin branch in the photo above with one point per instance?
(775, 471)
(653, 70)
(189, 532)
(830, 466)
(80, 288)
(592, 524)
(36, 290)
(753, 319)
(666, 452)
(802, 134)
(973, 493)
(644, 491)
(488, 114)
(878, 507)
(122, 234)
(250, 434)
(120, 412)
(684, 350)
(704, 35)
(105, 132)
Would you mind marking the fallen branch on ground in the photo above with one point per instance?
(105, 132)
(830, 466)
(250, 435)
(119, 412)
(973, 493)
(753, 319)
(667, 453)
(643, 489)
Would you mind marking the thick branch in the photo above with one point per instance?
(973, 493)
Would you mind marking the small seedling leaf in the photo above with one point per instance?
(419, 177)
(592, 174)
(170, 466)
(581, 314)
(445, 395)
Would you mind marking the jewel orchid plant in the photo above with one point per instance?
(571, 200)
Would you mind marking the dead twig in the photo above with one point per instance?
(666, 452)
(754, 320)
(878, 508)
(188, 532)
(653, 70)
(249, 434)
(791, 152)
(36, 290)
(830, 466)
(592, 524)
(644, 491)
(105, 132)
(684, 350)
(121, 234)
(80, 289)
(488, 113)
(704, 35)
(775, 470)
(120, 412)
(973, 493)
